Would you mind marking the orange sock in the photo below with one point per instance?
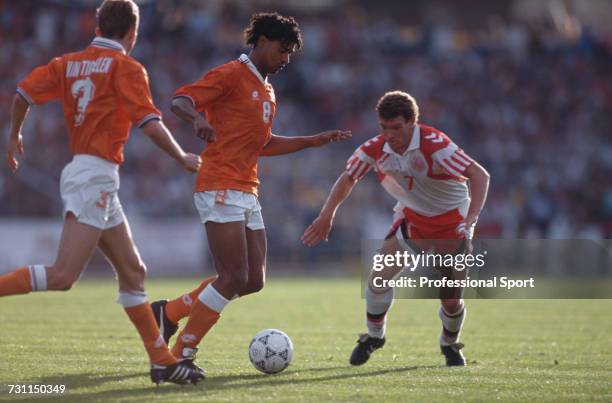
(201, 320)
(16, 282)
(180, 307)
(142, 317)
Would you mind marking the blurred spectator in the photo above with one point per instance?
(532, 100)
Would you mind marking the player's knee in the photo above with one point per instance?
(236, 280)
(136, 277)
(253, 286)
(240, 279)
(140, 272)
(452, 305)
(60, 280)
(64, 284)
(258, 284)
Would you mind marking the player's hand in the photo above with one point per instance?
(467, 226)
(15, 146)
(192, 162)
(330, 136)
(204, 130)
(317, 231)
(467, 229)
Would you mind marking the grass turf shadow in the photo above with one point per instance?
(216, 384)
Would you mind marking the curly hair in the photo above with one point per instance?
(116, 17)
(275, 27)
(398, 103)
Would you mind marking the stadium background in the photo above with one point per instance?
(523, 86)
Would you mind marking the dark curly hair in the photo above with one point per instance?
(398, 103)
(275, 27)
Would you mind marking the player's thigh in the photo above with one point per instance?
(117, 245)
(390, 246)
(77, 244)
(228, 247)
(256, 249)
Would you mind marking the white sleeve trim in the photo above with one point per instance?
(185, 96)
(452, 167)
(462, 158)
(25, 95)
(356, 168)
(364, 157)
(452, 160)
(146, 119)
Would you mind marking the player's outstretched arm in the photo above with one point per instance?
(319, 229)
(479, 186)
(15, 144)
(161, 136)
(279, 145)
(183, 108)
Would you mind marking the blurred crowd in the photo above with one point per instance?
(530, 101)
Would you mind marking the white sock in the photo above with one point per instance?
(377, 328)
(212, 299)
(377, 305)
(451, 325)
(38, 277)
(129, 299)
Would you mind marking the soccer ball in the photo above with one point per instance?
(270, 351)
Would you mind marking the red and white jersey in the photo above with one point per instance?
(427, 179)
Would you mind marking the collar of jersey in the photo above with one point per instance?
(415, 142)
(244, 59)
(105, 43)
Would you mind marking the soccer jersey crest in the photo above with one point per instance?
(417, 163)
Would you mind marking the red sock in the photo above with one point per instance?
(16, 282)
(201, 320)
(142, 317)
(180, 307)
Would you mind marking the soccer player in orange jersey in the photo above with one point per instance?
(232, 108)
(103, 93)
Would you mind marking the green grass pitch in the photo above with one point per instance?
(517, 350)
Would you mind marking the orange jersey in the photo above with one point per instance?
(103, 92)
(240, 105)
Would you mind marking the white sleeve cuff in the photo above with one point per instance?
(148, 118)
(185, 96)
(25, 95)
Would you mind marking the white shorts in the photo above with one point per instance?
(228, 206)
(89, 186)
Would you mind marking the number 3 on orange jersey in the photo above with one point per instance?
(267, 111)
(83, 91)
